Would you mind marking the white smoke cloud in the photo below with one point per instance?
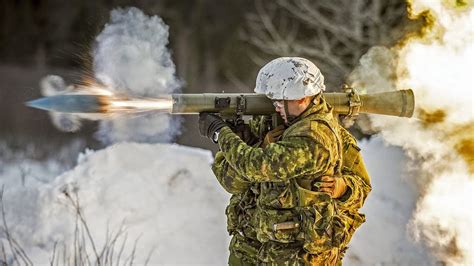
(383, 238)
(376, 71)
(439, 141)
(131, 58)
(131, 54)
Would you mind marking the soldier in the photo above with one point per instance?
(296, 193)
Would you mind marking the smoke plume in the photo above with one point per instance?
(437, 65)
(131, 58)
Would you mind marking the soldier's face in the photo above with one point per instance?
(295, 107)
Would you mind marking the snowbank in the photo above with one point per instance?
(163, 195)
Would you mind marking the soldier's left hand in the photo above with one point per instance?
(244, 132)
(333, 186)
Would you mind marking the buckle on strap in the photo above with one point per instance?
(354, 102)
(285, 226)
(354, 105)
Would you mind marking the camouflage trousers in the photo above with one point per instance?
(245, 252)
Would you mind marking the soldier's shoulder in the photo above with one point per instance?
(318, 130)
(346, 136)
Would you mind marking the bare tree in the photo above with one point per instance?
(334, 34)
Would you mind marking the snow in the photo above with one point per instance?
(166, 197)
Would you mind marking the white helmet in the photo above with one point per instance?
(289, 78)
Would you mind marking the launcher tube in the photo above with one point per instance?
(396, 103)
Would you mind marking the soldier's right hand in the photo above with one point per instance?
(334, 186)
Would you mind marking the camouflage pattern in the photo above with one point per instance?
(278, 184)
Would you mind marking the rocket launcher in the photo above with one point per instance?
(348, 104)
(231, 106)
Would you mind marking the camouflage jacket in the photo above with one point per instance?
(276, 185)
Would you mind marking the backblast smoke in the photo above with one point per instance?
(437, 65)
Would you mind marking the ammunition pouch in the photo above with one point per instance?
(352, 162)
(243, 251)
(240, 215)
(276, 218)
(277, 196)
(351, 156)
(317, 213)
(273, 253)
(292, 213)
(353, 165)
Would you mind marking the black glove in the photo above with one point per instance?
(209, 124)
(244, 132)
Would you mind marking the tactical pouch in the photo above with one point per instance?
(273, 253)
(350, 155)
(346, 223)
(276, 217)
(277, 195)
(317, 212)
(243, 251)
(323, 225)
(352, 162)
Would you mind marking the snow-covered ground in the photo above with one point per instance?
(162, 195)
(166, 197)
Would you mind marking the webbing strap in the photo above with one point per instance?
(289, 118)
(338, 166)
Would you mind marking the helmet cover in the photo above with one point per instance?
(289, 78)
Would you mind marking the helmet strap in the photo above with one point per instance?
(292, 118)
(289, 118)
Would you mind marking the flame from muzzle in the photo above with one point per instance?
(163, 105)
